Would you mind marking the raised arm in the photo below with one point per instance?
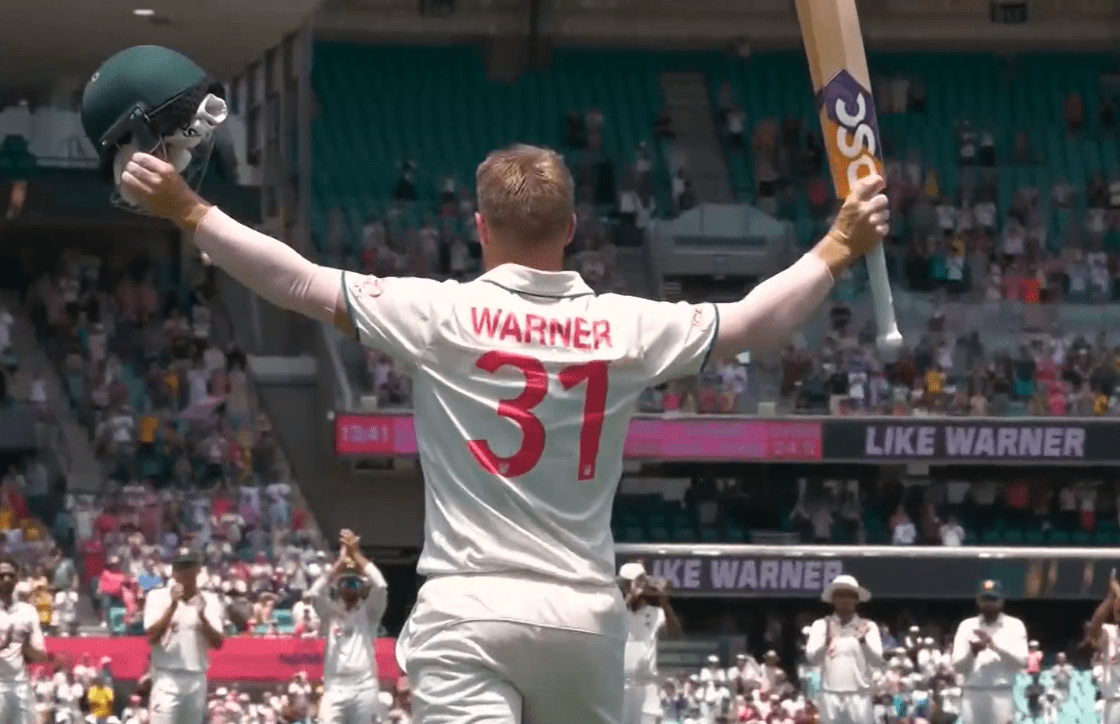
(777, 306)
(378, 597)
(390, 314)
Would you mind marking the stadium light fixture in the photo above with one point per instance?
(144, 12)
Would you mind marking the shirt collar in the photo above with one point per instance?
(533, 282)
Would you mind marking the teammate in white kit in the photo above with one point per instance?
(21, 643)
(350, 688)
(645, 620)
(1105, 635)
(182, 623)
(989, 650)
(524, 385)
(848, 650)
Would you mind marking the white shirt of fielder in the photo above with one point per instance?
(643, 626)
(22, 620)
(183, 648)
(846, 665)
(348, 657)
(996, 666)
(542, 376)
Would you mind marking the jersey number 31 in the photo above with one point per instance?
(520, 411)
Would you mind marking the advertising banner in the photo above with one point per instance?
(972, 440)
(887, 576)
(240, 658)
(700, 438)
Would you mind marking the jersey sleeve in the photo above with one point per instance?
(154, 607)
(35, 636)
(674, 339)
(392, 314)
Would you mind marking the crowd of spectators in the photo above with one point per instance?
(86, 692)
(185, 456)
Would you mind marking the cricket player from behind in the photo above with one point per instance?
(1104, 634)
(350, 688)
(21, 643)
(524, 384)
(989, 650)
(847, 648)
(182, 623)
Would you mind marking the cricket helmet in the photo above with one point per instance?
(152, 99)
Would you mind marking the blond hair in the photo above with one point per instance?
(526, 192)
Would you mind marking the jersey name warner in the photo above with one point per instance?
(573, 332)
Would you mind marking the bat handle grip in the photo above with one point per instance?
(889, 340)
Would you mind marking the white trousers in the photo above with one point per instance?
(498, 672)
(350, 704)
(17, 703)
(845, 708)
(178, 698)
(1111, 714)
(987, 706)
(641, 704)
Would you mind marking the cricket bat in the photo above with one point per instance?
(838, 65)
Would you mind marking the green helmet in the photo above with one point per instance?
(147, 97)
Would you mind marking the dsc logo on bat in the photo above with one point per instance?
(853, 145)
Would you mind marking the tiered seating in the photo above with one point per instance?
(380, 105)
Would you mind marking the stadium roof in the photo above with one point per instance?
(48, 39)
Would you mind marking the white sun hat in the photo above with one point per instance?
(845, 583)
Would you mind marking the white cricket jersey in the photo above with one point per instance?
(1110, 661)
(643, 626)
(846, 665)
(524, 383)
(349, 656)
(183, 648)
(20, 617)
(996, 666)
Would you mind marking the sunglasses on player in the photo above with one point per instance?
(350, 583)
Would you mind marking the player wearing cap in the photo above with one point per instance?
(524, 384)
(21, 643)
(847, 648)
(1104, 633)
(989, 650)
(648, 612)
(350, 690)
(182, 623)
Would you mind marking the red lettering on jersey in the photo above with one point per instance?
(485, 321)
(511, 328)
(582, 333)
(556, 328)
(578, 333)
(602, 331)
(534, 323)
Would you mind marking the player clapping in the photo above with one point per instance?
(182, 623)
(848, 651)
(350, 689)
